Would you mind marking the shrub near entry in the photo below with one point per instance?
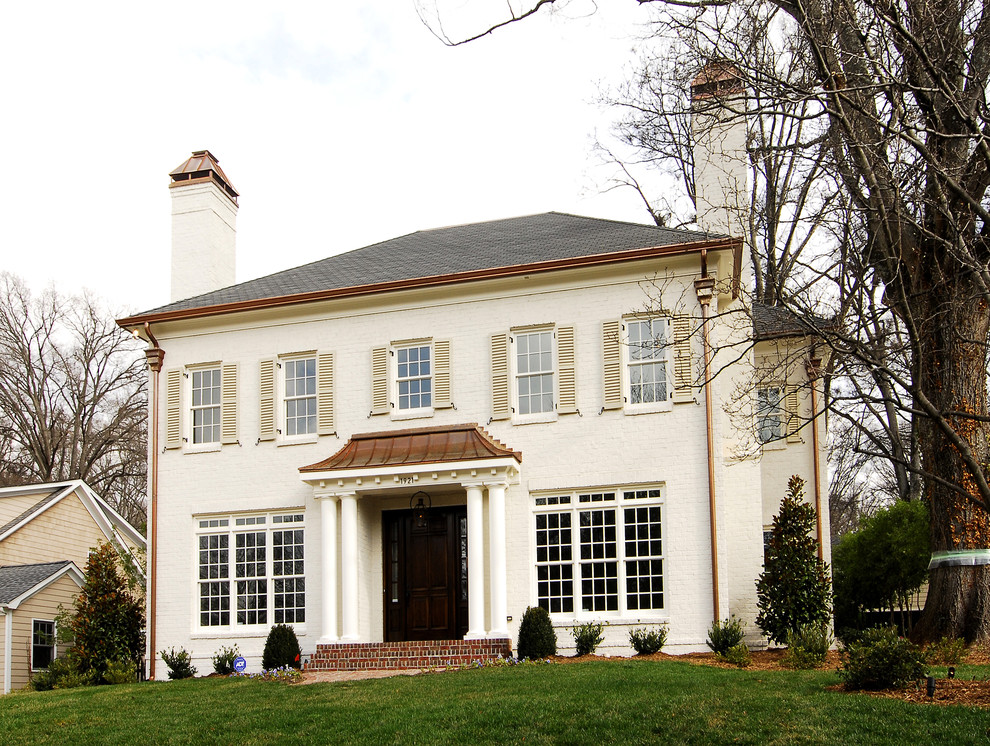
(587, 637)
(281, 648)
(536, 636)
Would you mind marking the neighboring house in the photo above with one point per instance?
(46, 533)
(417, 440)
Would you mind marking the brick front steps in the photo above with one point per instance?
(395, 655)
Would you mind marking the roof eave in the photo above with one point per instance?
(667, 250)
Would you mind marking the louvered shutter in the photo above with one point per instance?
(612, 365)
(173, 408)
(441, 374)
(228, 403)
(566, 371)
(379, 380)
(324, 394)
(500, 377)
(266, 400)
(683, 358)
(791, 413)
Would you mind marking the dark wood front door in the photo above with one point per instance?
(425, 575)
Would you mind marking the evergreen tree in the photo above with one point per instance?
(794, 587)
(108, 621)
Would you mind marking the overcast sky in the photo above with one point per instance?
(340, 125)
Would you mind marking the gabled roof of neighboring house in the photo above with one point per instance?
(778, 322)
(105, 517)
(21, 581)
(477, 251)
(424, 445)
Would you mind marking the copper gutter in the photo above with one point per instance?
(514, 270)
(813, 367)
(705, 287)
(155, 356)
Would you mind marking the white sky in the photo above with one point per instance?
(340, 124)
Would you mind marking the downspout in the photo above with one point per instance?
(8, 631)
(813, 367)
(704, 286)
(155, 356)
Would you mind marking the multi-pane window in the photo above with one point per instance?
(769, 413)
(534, 372)
(42, 643)
(647, 339)
(600, 551)
(267, 567)
(300, 396)
(414, 377)
(206, 406)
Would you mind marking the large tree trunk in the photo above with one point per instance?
(952, 368)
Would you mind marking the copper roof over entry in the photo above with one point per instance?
(426, 445)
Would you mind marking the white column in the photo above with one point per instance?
(8, 634)
(496, 534)
(349, 566)
(476, 563)
(328, 564)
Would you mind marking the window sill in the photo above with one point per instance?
(534, 419)
(204, 448)
(228, 633)
(569, 620)
(299, 441)
(411, 414)
(634, 409)
(780, 444)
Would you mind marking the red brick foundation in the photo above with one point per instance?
(385, 655)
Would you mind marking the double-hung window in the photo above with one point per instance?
(647, 361)
(252, 570)
(414, 377)
(206, 406)
(299, 396)
(411, 378)
(534, 372)
(600, 551)
(42, 643)
(769, 414)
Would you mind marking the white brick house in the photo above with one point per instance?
(418, 439)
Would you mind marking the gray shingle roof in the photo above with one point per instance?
(16, 579)
(772, 322)
(443, 251)
(33, 509)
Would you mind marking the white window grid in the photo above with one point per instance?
(414, 376)
(534, 371)
(256, 571)
(600, 553)
(648, 360)
(206, 406)
(299, 404)
(769, 413)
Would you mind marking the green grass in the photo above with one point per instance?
(624, 702)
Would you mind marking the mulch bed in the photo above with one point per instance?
(947, 691)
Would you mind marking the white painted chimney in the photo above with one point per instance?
(721, 164)
(204, 215)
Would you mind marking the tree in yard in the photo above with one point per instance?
(107, 620)
(72, 397)
(794, 587)
(900, 88)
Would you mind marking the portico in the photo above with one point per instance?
(430, 564)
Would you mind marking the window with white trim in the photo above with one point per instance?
(600, 551)
(42, 643)
(534, 371)
(414, 377)
(206, 406)
(299, 396)
(647, 361)
(262, 581)
(769, 413)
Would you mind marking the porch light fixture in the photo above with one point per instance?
(419, 508)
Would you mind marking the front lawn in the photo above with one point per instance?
(622, 702)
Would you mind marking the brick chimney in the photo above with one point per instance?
(204, 215)
(721, 164)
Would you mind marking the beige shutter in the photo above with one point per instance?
(266, 400)
(792, 414)
(379, 380)
(173, 408)
(441, 374)
(324, 394)
(500, 377)
(612, 362)
(228, 402)
(567, 373)
(683, 360)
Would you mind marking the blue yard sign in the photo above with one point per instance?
(240, 664)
